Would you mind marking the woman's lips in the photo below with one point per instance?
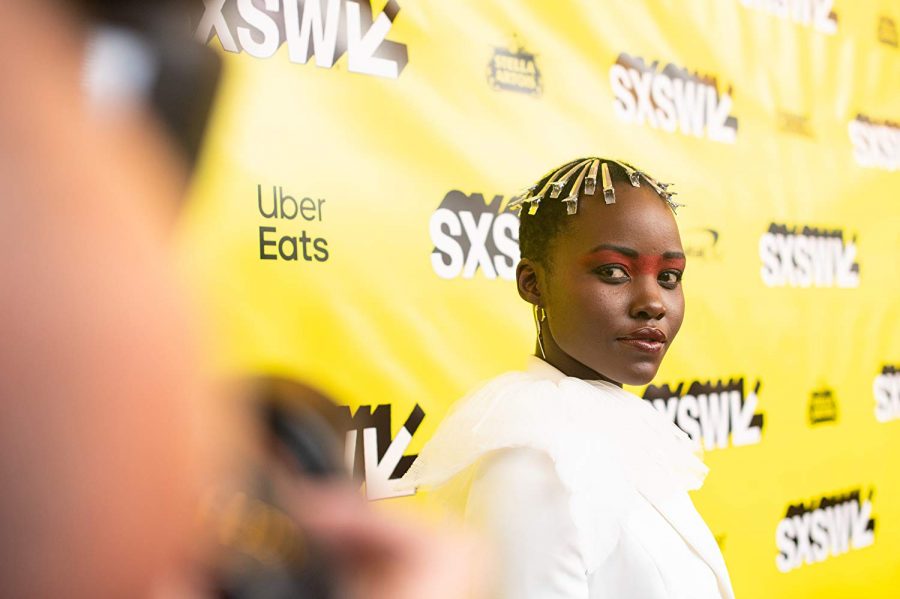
(644, 345)
(648, 339)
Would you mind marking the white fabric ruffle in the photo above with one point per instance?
(606, 443)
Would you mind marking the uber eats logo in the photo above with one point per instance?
(822, 528)
(672, 99)
(294, 212)
(887, 394)
(807, 257)
(470, 234)
(321, 30)
(714, 414)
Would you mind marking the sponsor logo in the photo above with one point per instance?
(807, 257)
(887, 31)
(471, 234)
(701, 242)
(795, 124)
(887, 394)
(815, 14)
(822, 407)
(823, 528)
(714, 414)
(279, 206)
(321, 30)
(372, 454)
(672, 99)
(514, 71)
(876, 144)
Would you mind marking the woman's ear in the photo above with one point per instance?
(529, 280)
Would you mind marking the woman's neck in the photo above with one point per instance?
(569, 366)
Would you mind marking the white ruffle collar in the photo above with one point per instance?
(607, 445)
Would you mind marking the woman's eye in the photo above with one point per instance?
(670, 278)
(613, 273)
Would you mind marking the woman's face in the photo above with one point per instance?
(612, 291)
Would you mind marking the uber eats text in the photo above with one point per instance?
(285, 242)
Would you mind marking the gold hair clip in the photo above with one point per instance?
(609, 194)
(590, 183)
(558, 185)
(571, 202)
(585, 182)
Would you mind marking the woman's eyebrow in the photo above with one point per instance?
(632, 253)
(625, 251)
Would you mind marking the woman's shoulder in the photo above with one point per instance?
(539, 409)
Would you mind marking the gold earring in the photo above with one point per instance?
(540, 315)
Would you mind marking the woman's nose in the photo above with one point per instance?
(647, 302)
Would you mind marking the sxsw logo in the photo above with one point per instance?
(815, 14)
(372, 453)
(672, 99)
(321, 30)
(714, 414)
(471, 234)
(828, 526)
(876, 144)
(806, 256)
(887, 394)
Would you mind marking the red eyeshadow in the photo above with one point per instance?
(640, 264)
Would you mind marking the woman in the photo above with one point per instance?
(582, 485)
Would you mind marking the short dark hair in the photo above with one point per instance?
(538, 231)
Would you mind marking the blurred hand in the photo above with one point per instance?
(381, 555)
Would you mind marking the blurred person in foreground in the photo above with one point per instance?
(109, 432)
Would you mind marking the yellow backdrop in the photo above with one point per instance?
(348, 229)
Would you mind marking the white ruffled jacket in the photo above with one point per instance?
(581, 485)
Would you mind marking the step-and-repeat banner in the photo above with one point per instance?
(348, 229)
